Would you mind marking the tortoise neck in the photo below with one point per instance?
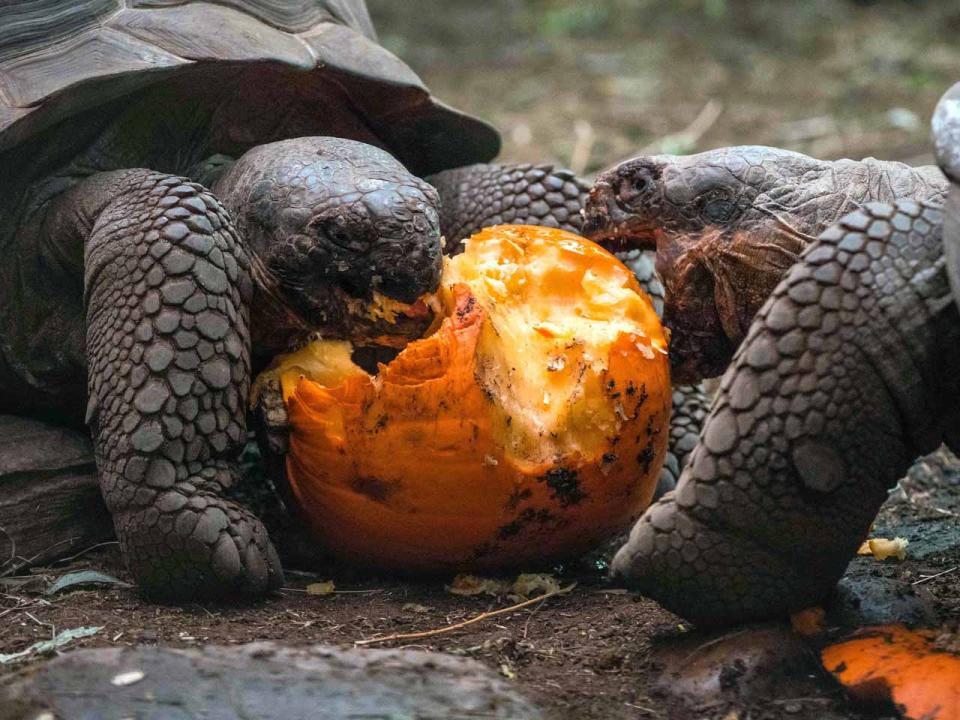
(274, 326)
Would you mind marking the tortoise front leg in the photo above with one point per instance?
(848, 373)
(477, 196)
(167, 286)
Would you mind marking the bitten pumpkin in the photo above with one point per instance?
(528, 427)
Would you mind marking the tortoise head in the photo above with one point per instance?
(726, 225)
(345, 241)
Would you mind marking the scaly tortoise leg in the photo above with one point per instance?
(477, 196)
(168, 285)
(848, 373)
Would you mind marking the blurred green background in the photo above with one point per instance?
(587, 84)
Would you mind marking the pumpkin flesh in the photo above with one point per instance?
(528, 427)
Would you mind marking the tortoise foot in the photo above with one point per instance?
(201, 548)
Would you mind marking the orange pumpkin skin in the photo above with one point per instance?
(890, 663)
(425, 468)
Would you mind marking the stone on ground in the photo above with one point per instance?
(260, 680)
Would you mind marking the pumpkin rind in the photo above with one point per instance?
(905, 667)
(417, 470)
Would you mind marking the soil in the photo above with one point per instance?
(597, 652)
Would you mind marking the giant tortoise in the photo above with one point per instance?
(848, 372)
(137, 302)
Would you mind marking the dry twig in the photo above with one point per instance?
(456, 626)
(685, 140)
(939, 574)
(580, 157)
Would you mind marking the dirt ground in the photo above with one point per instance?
(594, 653)
(587, 84)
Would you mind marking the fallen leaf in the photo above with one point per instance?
(468, 585)
(915, 670)
(532, 584)
(883, 548)
(83, 577)
(128, 678)
(46, 646)
(321, 588)
(415, 608)
(525, 586)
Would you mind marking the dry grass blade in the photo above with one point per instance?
(928, 578)
(465, 623)
(683, 142)
(586, 137)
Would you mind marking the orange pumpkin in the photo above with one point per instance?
(918, 671)
(528, 427)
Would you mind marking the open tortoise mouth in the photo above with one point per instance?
(609, 225)
(618, 239)
(382, 320)
(297, 313)
(371, 318)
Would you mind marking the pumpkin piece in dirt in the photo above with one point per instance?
(530, 426)
(917, 671)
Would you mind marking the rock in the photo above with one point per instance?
(51, 506)
(863, 599)
(50, 503)
(736, 667)
(929, 539)
(261, 680)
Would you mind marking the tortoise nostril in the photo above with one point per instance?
(346, 233)
(407, 268)
(339, 236)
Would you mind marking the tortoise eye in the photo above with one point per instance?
(718, 210)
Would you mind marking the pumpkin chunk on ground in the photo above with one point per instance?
(917, 671)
